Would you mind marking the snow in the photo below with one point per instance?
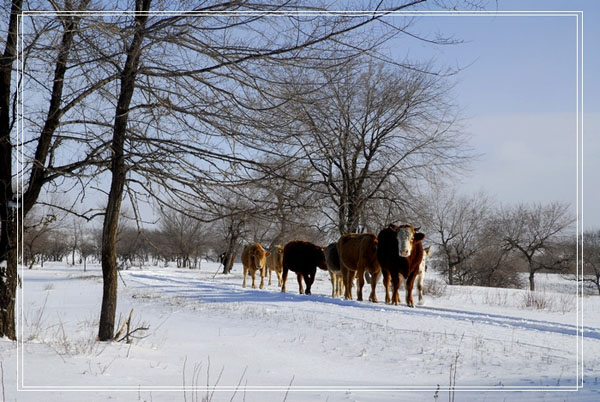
(211, 339)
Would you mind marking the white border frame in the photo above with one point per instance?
(579, 208)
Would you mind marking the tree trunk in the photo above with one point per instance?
(8, 277)
(229, 263)
(531, 282)
(119, 171)
(8, 215)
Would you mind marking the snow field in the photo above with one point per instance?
(211, 339)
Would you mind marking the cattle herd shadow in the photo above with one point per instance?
(207, 291)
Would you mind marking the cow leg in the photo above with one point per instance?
(262, 278)
(300, 286)
(410, 281)
(374, 279)
(395, 287)
(360, 282)
(340, 284)
(333, 284)
(309, 278)
(386, 286)
(284, 278)
(270, 274)
(420, 286)
(348, 277)
(278, 278)
(253, 274)
(245, 274)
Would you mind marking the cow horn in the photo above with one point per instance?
(417, 229)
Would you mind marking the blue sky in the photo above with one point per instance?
(517, 91)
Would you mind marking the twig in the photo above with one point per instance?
(238, 385)
(121, 276)
(288, 389)
(122, 329)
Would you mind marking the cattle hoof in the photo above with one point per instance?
(307, 292)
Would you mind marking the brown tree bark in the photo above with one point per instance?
(119, 171)
(8, 215)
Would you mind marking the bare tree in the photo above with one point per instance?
(366, 127)
(591, 258)
(8, 213)
(86, 249)
(48, 48)
(457, 226)
(183, 235)
(491, 265)
(532, 231)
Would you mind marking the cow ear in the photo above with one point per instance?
(268, 253)
(419, 236)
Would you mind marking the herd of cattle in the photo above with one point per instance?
(396, 252)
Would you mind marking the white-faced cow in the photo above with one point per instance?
(335, 272)
(275, 262)
(399, 253)
(358, 254)
(254, 258)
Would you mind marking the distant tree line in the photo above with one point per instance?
(484, 244)
(476, 242)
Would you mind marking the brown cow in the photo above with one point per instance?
(303, 258)
(399, 253)
(254, 258)
(335, 272)
(275, 262)
(358, 254)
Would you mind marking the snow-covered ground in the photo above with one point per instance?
(211, 339)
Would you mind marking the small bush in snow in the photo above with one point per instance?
(434, 288)
(537, 300)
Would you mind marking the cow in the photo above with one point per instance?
(303, 258)
(275, 262)
(421, 274)
(358, 254)
(399, 253)
(332, 257)
(254, 258)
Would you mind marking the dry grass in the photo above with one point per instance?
(434, 288)
(537, 300)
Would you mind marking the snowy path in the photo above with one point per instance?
(214, 292)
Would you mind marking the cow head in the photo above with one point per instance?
(407, 236)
